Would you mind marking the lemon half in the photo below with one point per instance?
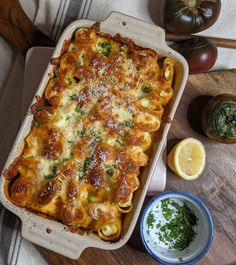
(187, 158)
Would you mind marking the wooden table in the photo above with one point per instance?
(216, 187)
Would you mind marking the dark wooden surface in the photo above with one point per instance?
(18, 28)
(216, 186)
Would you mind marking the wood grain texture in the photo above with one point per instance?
(217, 185)
(17, 28)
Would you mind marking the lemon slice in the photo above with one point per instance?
(187, 158)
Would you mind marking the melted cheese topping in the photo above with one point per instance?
(91, 128)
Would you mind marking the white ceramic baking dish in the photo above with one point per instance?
(34, 227)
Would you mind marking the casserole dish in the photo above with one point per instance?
(52, 234)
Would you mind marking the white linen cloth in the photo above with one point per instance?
(51, 17)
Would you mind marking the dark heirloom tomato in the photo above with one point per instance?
(189, 16)
(200, 53)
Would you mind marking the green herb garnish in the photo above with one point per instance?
(120, 141)
(69, 81)
(178, 230)
(82, 132)
(129, 123)
(53, 171)
(73, 97)
(83, 168)
(36, 123)
(73, 47)
(68, 117)
(130, 166)
(56, 71)
(49, 176)
(126, 83)
(106, 48)
(112, 78)
(110, 170)
(150, 220)
(88, 161)
(80, 111)
(96, 140)
(146, 89)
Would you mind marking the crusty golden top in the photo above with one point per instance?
(91, 130)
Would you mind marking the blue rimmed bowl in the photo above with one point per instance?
(201, 242)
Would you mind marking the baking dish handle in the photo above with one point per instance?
(150, 33)
(52, 238)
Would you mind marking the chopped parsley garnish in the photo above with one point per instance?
(96, 140)
(68, 117)
(146, 89)
(53, 171)
(80, 111)
(83, 168)
(73, 97)
(80, 62)
(150, 220)
(73, 47)
(112, 78)
(126, 83)
(120, 141)
(49, 176)
(178, 230)
(81, 173)
(82, 132)
(82, 57)
(110, 170)
(88, 161)
(106, 48)
(130, 166)
(56, 71)
(131, 111)
(36, 123)
(69, 81)
(129, 123)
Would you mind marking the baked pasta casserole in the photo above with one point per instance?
(91, 132)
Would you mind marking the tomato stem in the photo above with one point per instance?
(191, 3)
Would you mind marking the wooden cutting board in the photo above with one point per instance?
(217, 185)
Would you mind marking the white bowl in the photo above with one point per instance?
(201, 242)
